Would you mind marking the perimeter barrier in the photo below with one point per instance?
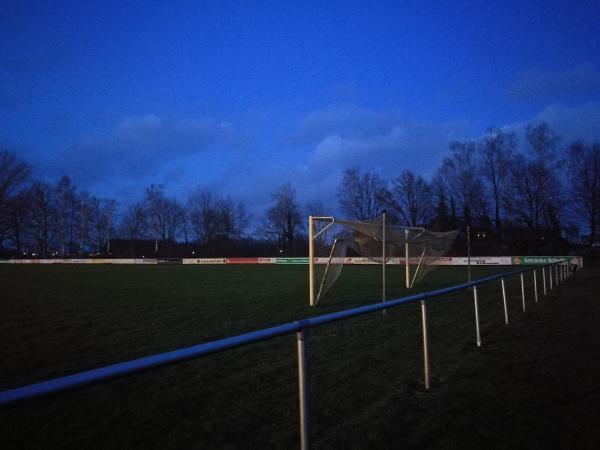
(554, 274)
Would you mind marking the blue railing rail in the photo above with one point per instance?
(135, 366)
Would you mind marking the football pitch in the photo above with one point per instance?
(532, 384)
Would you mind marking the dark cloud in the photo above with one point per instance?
(347, 121)
(582, 83)
(327, 142)
(571, 123)
(142, 146)
(385, 141)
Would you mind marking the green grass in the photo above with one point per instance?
(533, 383)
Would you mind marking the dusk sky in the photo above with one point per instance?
(241, 97)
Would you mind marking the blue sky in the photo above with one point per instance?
(244, 96)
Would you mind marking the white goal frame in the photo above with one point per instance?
(314, 294)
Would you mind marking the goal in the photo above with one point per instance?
(332, 240)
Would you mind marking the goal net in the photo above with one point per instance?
(336, 242)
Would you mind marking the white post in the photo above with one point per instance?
(560, 271)
(407, 268)
(383, 255)
(535, 285)
(303, 388)
(523, 291)
(311, 262)
(544, 278)
(550, 276)
(425, 345)
(478, 335)
(504, 301)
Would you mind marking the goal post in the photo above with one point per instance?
(375, 242)
(313, 234)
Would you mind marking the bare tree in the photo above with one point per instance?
(524, 200)
(410, 197)
(102, 216)
(316, 208)
(13, 174)
(283, 221)
(67, 215)
(84, 220)
(166, 217)
(202, 207)
(213, 218)
(584, 175)
(134, 224)
(41, 217)
(17, 210)
(496, 151)
(362, 195)
(459, 177)
(233, 217)
(542, 141)
(442, 220)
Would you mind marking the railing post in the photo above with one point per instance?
(544, 278)
(560, 272)
(550, 276)
(535, 290)
(303, 388)
(425, 345)
(478, 335)
(523, 291)
(504, 301)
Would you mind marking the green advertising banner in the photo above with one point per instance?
(536, 260)
(291, 260)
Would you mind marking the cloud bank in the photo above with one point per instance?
(326, 142)
(145, 149)
(186, 153)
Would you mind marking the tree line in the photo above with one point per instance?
(528, 197)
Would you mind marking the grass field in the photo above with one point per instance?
(532, 384)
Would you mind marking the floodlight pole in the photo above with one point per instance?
(311, 262)
(407, 269)
(469, 252)
(383, 255)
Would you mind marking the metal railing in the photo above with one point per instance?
(556, 273)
